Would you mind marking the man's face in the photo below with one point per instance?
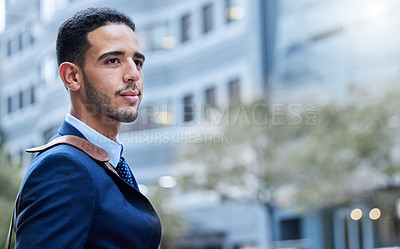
(113, 78)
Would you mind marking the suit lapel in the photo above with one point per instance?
(68, 129)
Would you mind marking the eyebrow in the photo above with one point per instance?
(111, 53)
(120, 53)
(140, 55)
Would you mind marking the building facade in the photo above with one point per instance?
(323, 47)
(323, 50)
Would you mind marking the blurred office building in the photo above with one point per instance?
(198, 53)
(323, 49)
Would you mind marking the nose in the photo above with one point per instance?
(131, 73)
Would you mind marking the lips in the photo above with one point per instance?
(130, 96)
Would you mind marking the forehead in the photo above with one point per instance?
(118, 37)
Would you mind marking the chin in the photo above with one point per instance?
(128, 118)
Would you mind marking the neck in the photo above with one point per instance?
(104, 125)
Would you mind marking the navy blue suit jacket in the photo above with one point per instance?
(67, 200)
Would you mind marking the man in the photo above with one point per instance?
(67, 199)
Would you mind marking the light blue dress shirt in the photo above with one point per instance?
(114, 148)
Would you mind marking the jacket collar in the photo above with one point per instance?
(67, 129)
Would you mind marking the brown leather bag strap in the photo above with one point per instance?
(95, 152)
(82, 144)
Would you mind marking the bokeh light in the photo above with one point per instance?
(356, 214)
(375, 214)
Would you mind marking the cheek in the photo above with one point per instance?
(106, 85)
(140, 85)
(106, 91)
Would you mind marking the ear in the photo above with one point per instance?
(71, 76)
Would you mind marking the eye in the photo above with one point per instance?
(112, 61)
(139, 63)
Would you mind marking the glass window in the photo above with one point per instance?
(185, 28)
(208, 18)
(21, 100)
(290, 229)
(233, 11)
(158, 36)
(9, 48)
(210, 97)
(20, 41)
(30, 32)
(9, 104)
(234, 92)
(32, 95)
(188, 108)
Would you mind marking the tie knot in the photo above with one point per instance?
(122, 160)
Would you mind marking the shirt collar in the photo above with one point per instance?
(113, 148)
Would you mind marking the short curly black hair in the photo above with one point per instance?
(72, 39)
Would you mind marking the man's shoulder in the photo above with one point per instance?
(65, 158)
(62, 162)
(60, 156)
(63, 151)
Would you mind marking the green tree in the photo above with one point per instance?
(249, 164)
(287, 157)
(9, 183)
(173, 226)
(351, 152)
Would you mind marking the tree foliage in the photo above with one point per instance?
(173, 226)
(350, 153)
(9, 183)
(250, 164)
(348, 150)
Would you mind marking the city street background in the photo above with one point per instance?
(265, 124)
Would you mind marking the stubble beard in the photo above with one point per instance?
(101, 103)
